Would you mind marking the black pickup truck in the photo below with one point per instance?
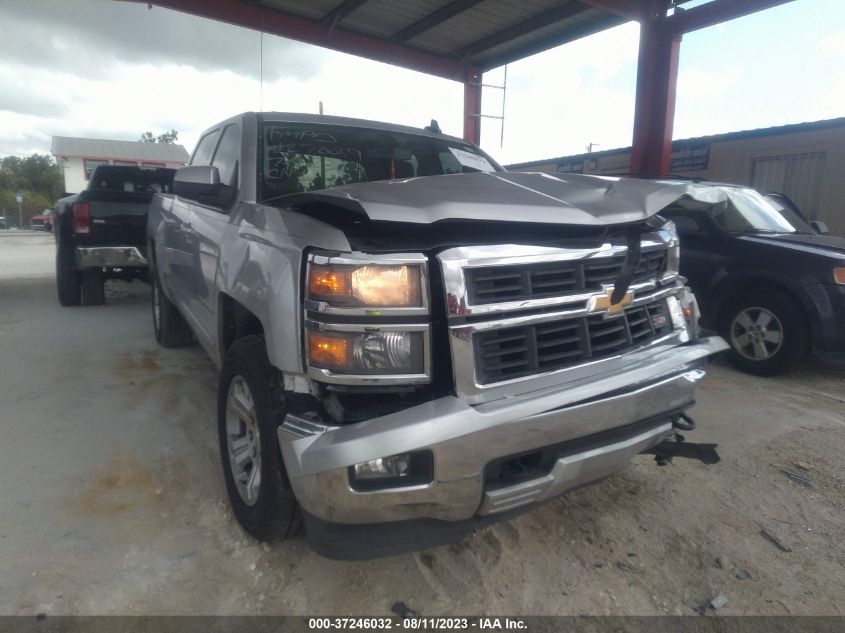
(100, 232)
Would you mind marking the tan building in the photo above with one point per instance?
(806, 161)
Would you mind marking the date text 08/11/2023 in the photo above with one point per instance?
(417, 623)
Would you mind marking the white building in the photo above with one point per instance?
(78, 157)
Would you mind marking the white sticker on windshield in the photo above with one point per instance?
(473, 161)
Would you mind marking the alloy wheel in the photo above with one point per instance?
(243, 440)
(756, 334)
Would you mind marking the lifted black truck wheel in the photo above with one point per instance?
(68, 284)
(93, 288)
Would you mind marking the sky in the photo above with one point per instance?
(107, 69)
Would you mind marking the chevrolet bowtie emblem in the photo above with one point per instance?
(601, 303)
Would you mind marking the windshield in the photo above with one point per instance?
(748, 211)
(298, 157)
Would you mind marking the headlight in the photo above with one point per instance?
(368, 352)
(388, 285)
(352, 301)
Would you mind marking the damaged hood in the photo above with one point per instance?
(501, 196)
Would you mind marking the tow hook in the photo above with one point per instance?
(677, 446)
(684, 423)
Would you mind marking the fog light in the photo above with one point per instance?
(395, 466)
(397, 471)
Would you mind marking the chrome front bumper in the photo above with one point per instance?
(110, 257)
(465, 438)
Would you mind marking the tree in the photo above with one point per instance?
(166, 138)
(36, 176)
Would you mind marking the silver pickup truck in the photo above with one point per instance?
(413, 342)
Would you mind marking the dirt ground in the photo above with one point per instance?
(112, 499)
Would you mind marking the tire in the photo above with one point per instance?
(250, 403)
(68, 284)
(93, 288)
(170, 327)
(767, 332)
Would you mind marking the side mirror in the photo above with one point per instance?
(202, 183)
(820, 227)
(193, 182)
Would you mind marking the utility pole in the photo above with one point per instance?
(19, 198)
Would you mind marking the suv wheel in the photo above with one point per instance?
(766, 331)
(249, 407)
(171, 329)
(93, 288)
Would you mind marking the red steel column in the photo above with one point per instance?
(472, 106)
(654, 112)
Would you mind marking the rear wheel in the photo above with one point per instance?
(171, 329)
(249, 407)
(767, 332)
(68, 284)
(93, 288)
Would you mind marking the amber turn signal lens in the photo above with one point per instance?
(329, 282)
(839, 276)
(332, 351)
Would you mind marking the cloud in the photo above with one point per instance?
(699, 83)
(560, 100)
(21, 94)
(88, 36)
(833, 45)
(140, 97)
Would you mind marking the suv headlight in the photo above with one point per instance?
(365, 290)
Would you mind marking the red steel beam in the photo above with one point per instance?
(472, 106)
(654, 111)
(277, 23)
(716, 12)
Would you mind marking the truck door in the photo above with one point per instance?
(184, 271)
(209, 224)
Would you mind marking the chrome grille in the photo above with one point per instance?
(515, 352)
(495, 284)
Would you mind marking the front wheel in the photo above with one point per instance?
(766, 331)
(249, 407)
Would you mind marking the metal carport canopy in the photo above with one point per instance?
(460, 39)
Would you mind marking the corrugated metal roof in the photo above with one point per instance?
(482, 33)
(129, 150)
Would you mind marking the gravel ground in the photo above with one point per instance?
(113, 502)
